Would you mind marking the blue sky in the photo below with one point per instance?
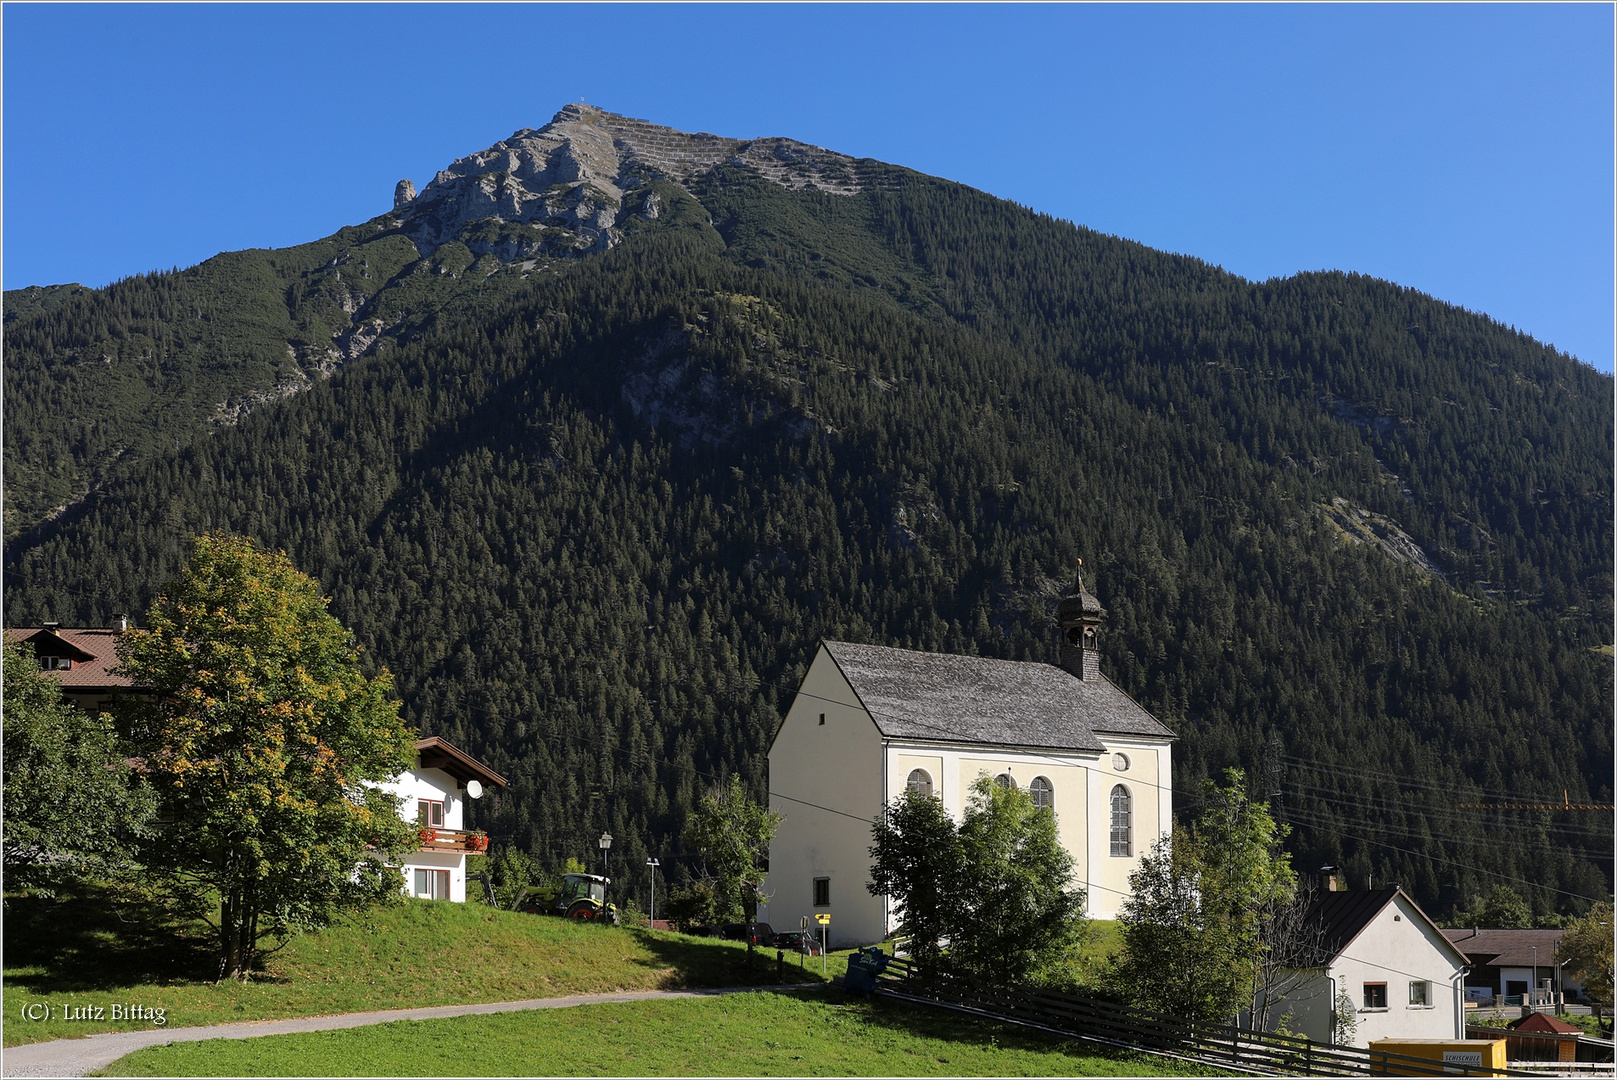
(1462, 150)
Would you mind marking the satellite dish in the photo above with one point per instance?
(474, 790)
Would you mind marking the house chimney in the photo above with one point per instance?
(121, 623)
(51, 626)
(1328, 873)
(1079, 617)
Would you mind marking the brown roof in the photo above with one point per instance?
(1540, 1022)
(1505, 948)
(435, 753)
(93, 651)
(974, 699)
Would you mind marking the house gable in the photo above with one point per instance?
(91, 653)
(1346, 916)
(825, 779)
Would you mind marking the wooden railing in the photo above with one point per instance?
(453, 840)
(1226, 1048)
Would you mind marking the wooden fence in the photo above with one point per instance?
(1225, 1048)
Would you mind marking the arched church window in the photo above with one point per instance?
(1006, 781)
(1122, 821)
(919, 782)
(1043, 792)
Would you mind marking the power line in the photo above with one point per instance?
(1466, 866)
(1444, 817)
(1402, 781)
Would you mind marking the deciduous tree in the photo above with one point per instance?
(732, 835)
(1501, 908)
(1207, 909)
(998, 886)
(1176, 955)
(1586, 950)
(1019, 919)
(265, 743)
(73, 808)
(916, 862)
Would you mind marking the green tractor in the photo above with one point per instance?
(579, 896)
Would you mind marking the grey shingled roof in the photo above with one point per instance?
(974, 699)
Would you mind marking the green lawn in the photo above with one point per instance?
(811, 1033)
(77, 951)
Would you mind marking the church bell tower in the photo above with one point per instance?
(1079, 617)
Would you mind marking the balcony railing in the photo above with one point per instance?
(453, 840)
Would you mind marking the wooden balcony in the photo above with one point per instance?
(453, 840)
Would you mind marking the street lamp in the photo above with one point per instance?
(653, 863)
(606, 846)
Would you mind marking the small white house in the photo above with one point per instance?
(869, 722)
(1403, 979)
(434, 794)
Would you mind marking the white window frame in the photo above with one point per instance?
(1043, 792)
(923, 785)
(1422, 989)
(430, 884)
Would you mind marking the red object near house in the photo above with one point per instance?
(1544, 1022)
(1538, 1037)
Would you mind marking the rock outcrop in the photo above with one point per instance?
(567, 187)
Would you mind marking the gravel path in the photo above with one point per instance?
(78, 1057)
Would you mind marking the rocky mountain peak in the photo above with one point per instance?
(568, 187)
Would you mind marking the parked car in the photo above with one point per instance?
(797, 941)
(760, 934)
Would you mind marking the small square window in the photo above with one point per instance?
(822, 892)
(1420, 993)
(430, 812)
(1375, 995)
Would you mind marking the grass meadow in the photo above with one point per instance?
(83, 950)
(815, 1032)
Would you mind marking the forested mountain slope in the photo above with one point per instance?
(593, 483)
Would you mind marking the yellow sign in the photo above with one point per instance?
(823, 920)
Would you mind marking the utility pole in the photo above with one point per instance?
(653, 863)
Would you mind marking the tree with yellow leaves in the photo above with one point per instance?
(266, 744)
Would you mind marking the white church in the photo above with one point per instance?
(868, 722)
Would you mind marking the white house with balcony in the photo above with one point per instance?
(868, 722)
(434, 794)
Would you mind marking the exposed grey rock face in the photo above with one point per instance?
(403, 193)
(568, 187)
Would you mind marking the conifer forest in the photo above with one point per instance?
(595, 511)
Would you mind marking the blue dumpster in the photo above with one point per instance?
(863, 967)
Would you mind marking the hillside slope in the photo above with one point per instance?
(596, 506)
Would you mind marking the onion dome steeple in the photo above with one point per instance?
(1079, 617)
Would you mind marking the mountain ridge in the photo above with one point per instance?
(594, 511)
(581, 172)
